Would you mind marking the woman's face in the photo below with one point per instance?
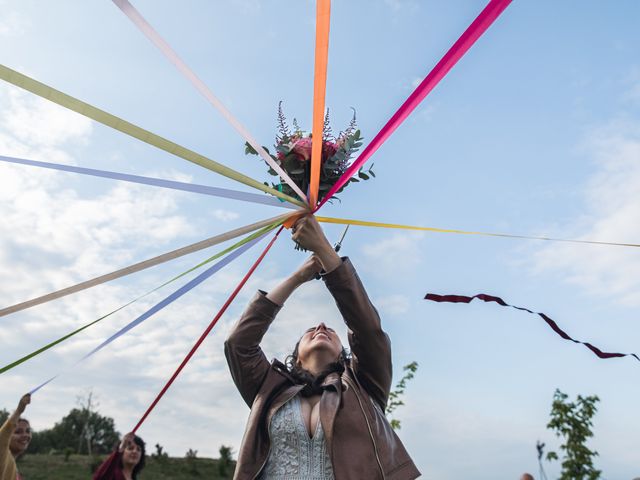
(132, 454)
(20, 438)
(319, 340)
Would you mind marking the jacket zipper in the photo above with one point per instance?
(269, 432)
(373, 440)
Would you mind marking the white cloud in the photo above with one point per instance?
(224, 215)
(36, 121)
(75, 236)
(393, 304)
(401, 253)
(612, 210)
(12, 24)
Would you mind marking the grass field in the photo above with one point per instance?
(78, 467)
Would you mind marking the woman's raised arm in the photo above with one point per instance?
(247, 362)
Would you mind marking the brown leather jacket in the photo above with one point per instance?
(359, 438)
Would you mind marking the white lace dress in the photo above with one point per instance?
(294, 455)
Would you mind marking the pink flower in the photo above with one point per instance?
(328, 150)
(302, 148)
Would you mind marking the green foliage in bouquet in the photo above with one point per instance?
(293, 154)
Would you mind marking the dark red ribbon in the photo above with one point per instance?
(554, 326)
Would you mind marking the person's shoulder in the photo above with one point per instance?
(7, 427)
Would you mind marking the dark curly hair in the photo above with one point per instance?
(143, 457)
(312, 382)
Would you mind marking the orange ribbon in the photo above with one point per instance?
(323, 15)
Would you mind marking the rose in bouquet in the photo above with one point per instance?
(293, 154)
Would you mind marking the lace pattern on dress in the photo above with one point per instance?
(293, 455)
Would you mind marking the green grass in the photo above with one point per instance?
(78, 467)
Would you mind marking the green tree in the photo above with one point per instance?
(3, 416)
(225, 463)
(161, 455)
(191, 457)
(573, 422)
(395, 397)
(79, 431)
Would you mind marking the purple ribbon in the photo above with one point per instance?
(156, 182)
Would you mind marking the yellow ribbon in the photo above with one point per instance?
(117, 123)
(363, 223)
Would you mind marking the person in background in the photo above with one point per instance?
(15, 436)
(526, 476)
(126, 462)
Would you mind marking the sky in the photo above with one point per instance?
(536, 131)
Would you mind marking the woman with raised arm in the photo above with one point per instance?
(15, 436)
(126, 462)
(321, 416)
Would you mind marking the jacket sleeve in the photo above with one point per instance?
(110, 467)
(247, 362)
(370, 345)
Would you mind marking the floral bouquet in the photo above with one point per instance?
(293, 154)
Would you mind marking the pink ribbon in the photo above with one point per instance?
(491, 12)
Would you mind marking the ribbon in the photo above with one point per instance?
(362, 223)
(323, 18)
(156, 182)
(168, 300)
(84, 327)
(206, 332)
(144, 26)
(137, 267)
(554, 326)
(64, 100)
(491, 12)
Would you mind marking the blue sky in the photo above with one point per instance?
(536, 131)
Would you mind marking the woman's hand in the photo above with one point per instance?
(308, 233)
(22, 405)
(307, 271)
(127, 440)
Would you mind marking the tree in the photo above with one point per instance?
(226, 461)
(395, 400)
(540, 449)
(191, 457)
(87, 406)
(79, 430)
(160, 454)
(573, 422)
(4, 414)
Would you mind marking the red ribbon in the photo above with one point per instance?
(554, 326)
(206, 332)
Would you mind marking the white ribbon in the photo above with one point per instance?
(144, 26)
(140, 266)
